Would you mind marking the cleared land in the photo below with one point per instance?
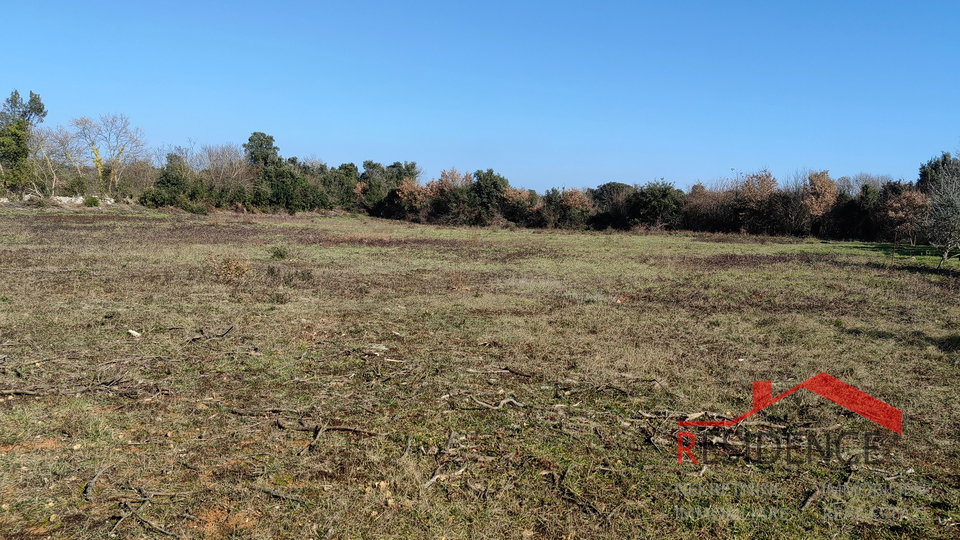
(343, 377)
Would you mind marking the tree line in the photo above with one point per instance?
(108, 156)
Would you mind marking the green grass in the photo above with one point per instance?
(345, 377)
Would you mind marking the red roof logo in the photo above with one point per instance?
(826, 386)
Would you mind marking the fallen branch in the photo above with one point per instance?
(347, 429)
(301, 427)
(517, 372)
(443, 477)
(812, 498)
(18, 393)
(720, 441)
(353, 430)
(317, 431)
(567, 494)
(88, 488)
(264, 412)
(828, 428)
(205, 337)
(664, 415)
(405, 450)
(507, 401)
(763, 424)
(279, 495)
(159, 529)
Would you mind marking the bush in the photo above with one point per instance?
(75, 186)
(90, 202)
(155, 198)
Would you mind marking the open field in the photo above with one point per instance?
(345, 377)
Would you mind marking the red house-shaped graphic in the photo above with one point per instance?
(826, 386)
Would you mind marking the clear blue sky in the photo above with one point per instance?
(549, 94)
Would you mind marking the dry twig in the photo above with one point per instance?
(507, 401)
(154, 526)
(88, 488)
(442, 477)
(812, 498)
(279, 495)
(18, 393)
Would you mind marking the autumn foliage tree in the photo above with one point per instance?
(449, 198)
(819, 196)
(755, 202)
(900, 209)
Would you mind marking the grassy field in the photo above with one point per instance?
(254, 376)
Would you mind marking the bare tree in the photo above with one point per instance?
(942, 221)
(67, 147)
(195, 160)
(56, 155)
(797, 182)
(225, 166)
(113, 143)
(45, 172)
(853, 185)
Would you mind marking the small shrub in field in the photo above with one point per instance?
(279, 252)
(289, 277)
(278, 297)
(90, 202)
(229, 270)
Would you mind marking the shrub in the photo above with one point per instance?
(91, 201)
(155, 198)
(230, 270)
(75, 186)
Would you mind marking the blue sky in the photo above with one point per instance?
(549, 94)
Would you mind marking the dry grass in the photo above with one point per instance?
(382, 379)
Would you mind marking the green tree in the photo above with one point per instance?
(570, 209)
(487, 192)
(176, 185)
(657, 204)
(612, 202)
(378, 181)
(340, 184)
(17, 119)
(261, 150)
(14, 154)
(449, 198)
(938, 168)
(14, 109)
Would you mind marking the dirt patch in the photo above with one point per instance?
(314, 237)
(727, 261)
(746, 239)
(30, 446)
